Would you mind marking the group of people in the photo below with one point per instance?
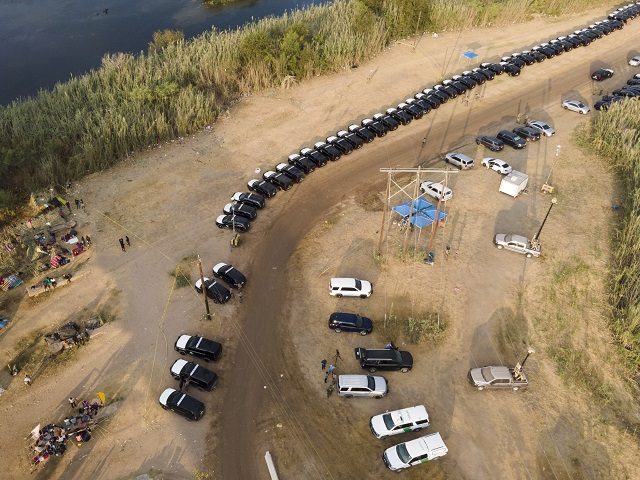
(51, 441)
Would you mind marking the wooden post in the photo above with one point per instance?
(413, 199)
(384, 213)
(207, 315)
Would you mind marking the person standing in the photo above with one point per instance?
(88, 240)
(331, 368)
(326, 375)
(77, 204)
(27, 379)
(73, 402)
(122, 244)
(127, 240)
(323, 364)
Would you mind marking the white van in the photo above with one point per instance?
(436, 190)
(350, 287)
(361, 386)
(412, 419)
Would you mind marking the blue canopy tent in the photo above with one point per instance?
(423, 213)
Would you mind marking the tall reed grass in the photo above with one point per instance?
(615, 135)
(90, 122)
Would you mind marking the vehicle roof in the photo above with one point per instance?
(502, 372)
(164, 396)
(218, 266)
(460, 155)
(411, 414)
(343, 282)
(182, 341)
(343, 316)
(382, 354)
(178, 365)
(516, 238)
(429, 443)
(354, 380)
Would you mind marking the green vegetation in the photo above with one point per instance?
(182, 272)
(615, 135)
(89, 123)
(416, 327)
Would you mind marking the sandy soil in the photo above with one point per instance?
(271, 395)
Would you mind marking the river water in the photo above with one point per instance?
(46, 41)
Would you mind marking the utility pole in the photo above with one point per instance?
(414, 198)
(537, 235)
(207, 316)
(517, 371)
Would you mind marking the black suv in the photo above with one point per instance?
(182, 404)
(384, 359)
(194, 374)
(198, 347)
(492, 143)
(302, 162)
(350, 322)
(215, 291)
(512, 139)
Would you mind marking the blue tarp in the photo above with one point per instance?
(470, 55)
(423, 213)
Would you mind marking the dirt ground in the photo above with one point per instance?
(271, 395)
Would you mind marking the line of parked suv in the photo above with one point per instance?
(244, 206)
(191, 373)
(629, 91)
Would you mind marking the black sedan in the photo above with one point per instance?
(254, 199)
(215, 291)
(302, 162)
(229, 274)
(262, 187)
(241, 209)
(279, 180)
(182, 404)
(350, 322)
(233, 222)
(602, 74)
(198, 347)
(528, 133)
(294, 173)
(492, 143)
(193, 374)
(363, 132)
(316, 156)
(512, 139)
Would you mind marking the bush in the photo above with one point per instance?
(164, 38)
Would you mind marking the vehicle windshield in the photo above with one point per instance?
(403, 453)
(486, 374)
(371, 383)
(358, 321)
(388, 421)
(358, 284)
(517, 138)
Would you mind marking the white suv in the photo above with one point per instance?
(411, 419)
(350, 287)
(362, 386)
(414, 452)
(436, 190)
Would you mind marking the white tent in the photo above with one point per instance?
(514, 183)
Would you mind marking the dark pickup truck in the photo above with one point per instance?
(384, 359)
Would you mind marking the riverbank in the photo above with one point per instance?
(130, 103)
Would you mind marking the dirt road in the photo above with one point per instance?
(315, 433)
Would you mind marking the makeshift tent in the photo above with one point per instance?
(514, 183)
(423, 212)
(12, 281)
